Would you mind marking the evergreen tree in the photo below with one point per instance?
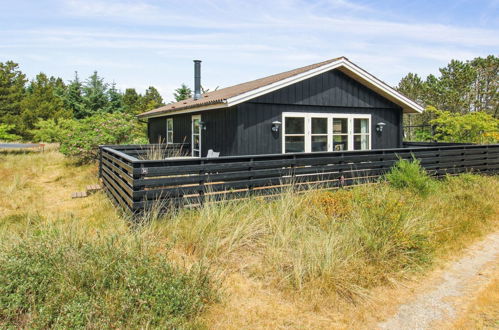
(151, 99)
(12, 82)
(73, 97)
(115, 100)
(486, 96)
(132, 101)
(42, 102)
(95, 99)
(182, 93)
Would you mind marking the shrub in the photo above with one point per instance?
(87, 134)
(473, 127)
(5, 135)
(410, 175)
(53, 279)
(51, 130)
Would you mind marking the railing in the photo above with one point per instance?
(137, 184)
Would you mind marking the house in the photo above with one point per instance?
(329, 106)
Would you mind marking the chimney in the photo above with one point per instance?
(197, 79)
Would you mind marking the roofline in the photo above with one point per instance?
(372, 82)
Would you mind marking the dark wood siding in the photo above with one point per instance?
(220, 133)
(156, 129)
(246, 128)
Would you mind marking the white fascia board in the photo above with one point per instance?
(188, 110)
(341, 63)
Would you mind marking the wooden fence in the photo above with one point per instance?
(138, 184)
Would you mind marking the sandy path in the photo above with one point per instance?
(447, 293)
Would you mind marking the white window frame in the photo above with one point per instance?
(196, 117)
(168, 131)
(308, 128)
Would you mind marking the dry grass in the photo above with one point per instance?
(484, 311)
(315, 260)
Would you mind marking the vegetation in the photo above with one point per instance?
(410, 175)
(293, 259)
(5, 135)
(464, 91)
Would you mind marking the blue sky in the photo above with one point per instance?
(151, 42)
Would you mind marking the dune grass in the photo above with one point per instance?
(321, 245)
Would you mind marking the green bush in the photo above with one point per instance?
(87, 134)
(51, 130)
(52, 279)
(474, 127)
(5, 135)
(410, 175)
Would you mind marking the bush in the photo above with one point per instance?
(5, 135)
(474, 127)
(53, 279)
(410, 175)
(53, 131)
(87, 134)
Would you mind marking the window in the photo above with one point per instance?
(294, 134)
(361, 134)
(169, 130)
(196, 136)
(340, 134)
(319, 134)
(315, 132)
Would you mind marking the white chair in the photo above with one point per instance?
(212, 154)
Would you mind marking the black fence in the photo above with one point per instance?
(138, 184)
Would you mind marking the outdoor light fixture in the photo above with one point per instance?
(202, 125)
(379, 127)
(275, 126)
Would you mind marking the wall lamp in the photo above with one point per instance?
(202, 125)
(379, 127)
(275, 126)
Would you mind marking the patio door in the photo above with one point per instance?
(196, 136)
(316, 132)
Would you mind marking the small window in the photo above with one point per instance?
(169, 130)
(294, 134)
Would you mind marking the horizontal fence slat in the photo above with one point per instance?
(139, 184)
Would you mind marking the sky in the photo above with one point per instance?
(151, 42)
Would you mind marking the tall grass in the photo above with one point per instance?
(340, 243)
(57, 276)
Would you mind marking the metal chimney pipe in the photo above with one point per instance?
(197, 79)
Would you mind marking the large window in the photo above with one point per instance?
(315, 132)
(169, 130)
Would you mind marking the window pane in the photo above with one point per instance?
(169, 137)
(340, 126)
(340, 142)
(319, 143)
(196, 126)
(169, 124)
(295, 125)
(361, 142)
(319, 125)
(295, 144)
(196, 142)
(361, 125)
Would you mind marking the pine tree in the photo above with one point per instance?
(95, 98)
(151, 99)
(73, 97)
(12, 82)
(182, 93)
(132, 101)
(41, 102)
(115, 100)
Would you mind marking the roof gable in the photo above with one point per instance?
(240, 93)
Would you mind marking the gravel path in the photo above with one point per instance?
(440, 300)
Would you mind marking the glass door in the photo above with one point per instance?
(196, 136)
(319, 134)
(341, 134)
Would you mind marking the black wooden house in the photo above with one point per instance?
(329, 106)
